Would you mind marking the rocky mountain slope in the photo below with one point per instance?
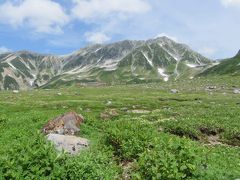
(24, 70)
(159, 59)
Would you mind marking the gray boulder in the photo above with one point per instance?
(174, 91)
(71, 144)
(236, 91)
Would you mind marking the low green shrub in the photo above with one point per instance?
(171, 158)
(129, 138)
(156, 155)
(34, 159)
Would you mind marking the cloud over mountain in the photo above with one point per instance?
(43, 16)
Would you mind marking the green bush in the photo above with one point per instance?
(156, 155)
(91, 165)
(171, 158)
(129, 138)
(34, 159)
(31, 158)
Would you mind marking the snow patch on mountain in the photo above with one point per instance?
(161, 72)
(10, 57)
(192, 65)
(13, 67)
(215, 63)
(109, 65)
(176, 70)
(146, 57)
(97, 50)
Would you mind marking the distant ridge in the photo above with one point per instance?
(153, 60)
(229, 66)
(238, 54)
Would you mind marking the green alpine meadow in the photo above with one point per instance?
(136, 131)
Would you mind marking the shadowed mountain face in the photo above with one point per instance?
(158, 59)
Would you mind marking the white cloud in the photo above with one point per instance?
(4, 49)
(91, 9)
(232, 3)
(96, 37)
(43, 16)
(169, 36)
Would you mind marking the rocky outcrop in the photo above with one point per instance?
(68, 123)
(61, 130)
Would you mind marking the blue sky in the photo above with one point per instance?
(210, 27)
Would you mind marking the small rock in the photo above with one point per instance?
(87, 110)
(77, 94)
(15, 91)
(139, 111)
(174, 91)
(212, 87)
(236, 91)
(113, 112)
(160, 129)
(70, 144)
(108, 114)
(166, 108)
(109, 103)
(124, 109)
(105, 116)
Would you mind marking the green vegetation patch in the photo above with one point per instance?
(156, 134)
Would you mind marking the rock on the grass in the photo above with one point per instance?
(211, 87)
(109, 103)
(139, 111)
(108, 114)
(236, 91)
(70, 144)
(68, 123)
(15, 91)
(174, 91)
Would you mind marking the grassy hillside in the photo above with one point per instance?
(228, 66)
(190, 135)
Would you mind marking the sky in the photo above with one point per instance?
(210, 27)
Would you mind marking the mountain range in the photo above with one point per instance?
(154, 60)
